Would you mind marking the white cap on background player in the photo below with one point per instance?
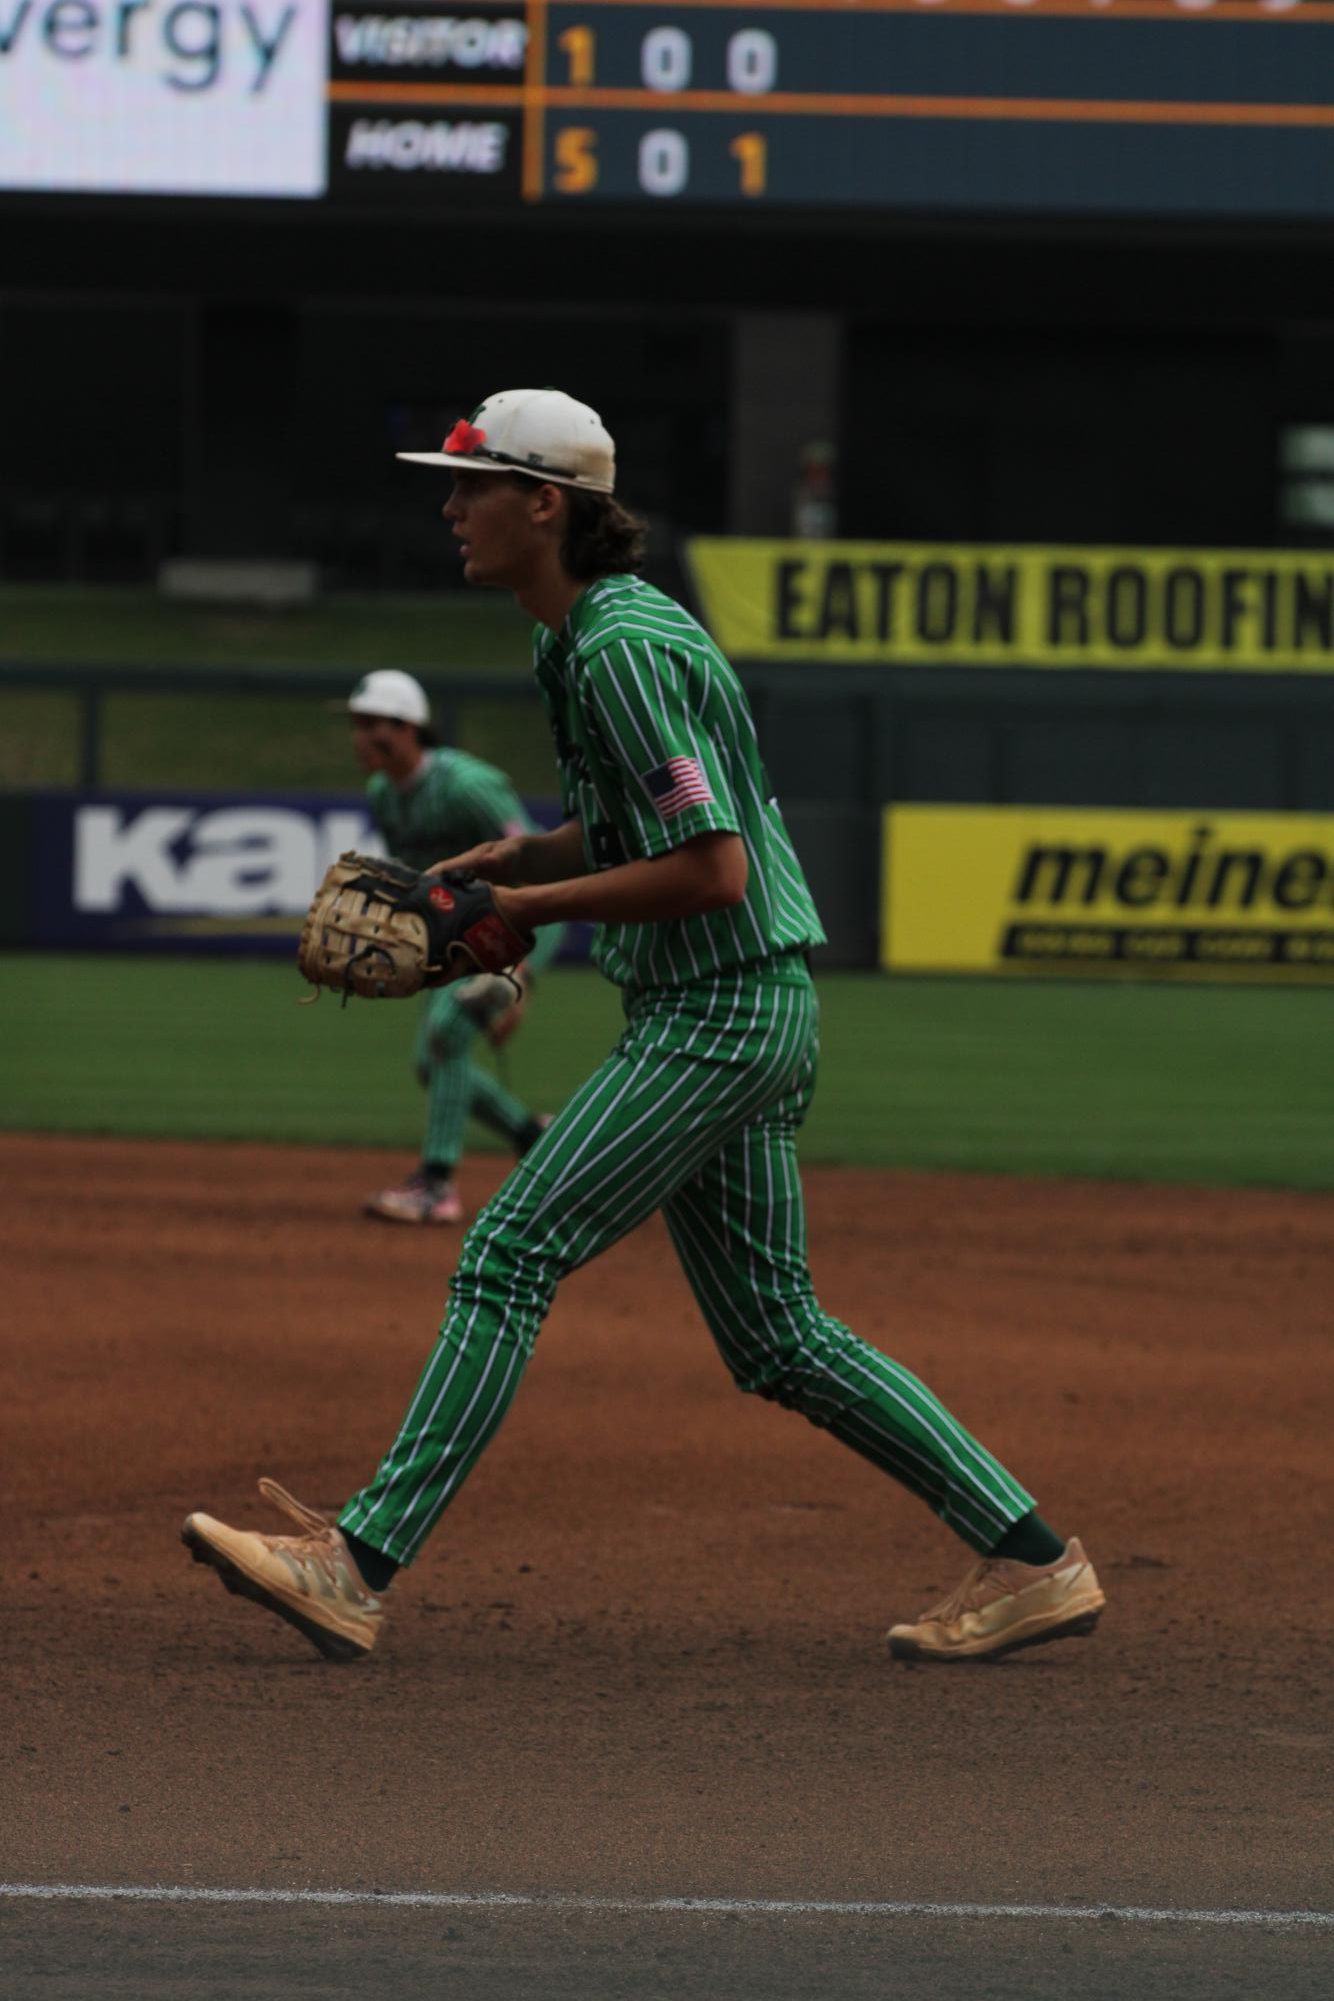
(388, 692)
(539, 431)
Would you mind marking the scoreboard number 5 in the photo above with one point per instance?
(576, 150)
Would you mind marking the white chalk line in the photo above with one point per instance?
(567, 1904)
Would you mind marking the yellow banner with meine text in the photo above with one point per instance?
(1058, 891)
(924, 603)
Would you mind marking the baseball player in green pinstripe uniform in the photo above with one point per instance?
(675, 848)
(426, 802)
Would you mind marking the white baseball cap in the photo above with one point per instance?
(388, 692)
(538, 431)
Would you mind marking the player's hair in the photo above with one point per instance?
(602, 538)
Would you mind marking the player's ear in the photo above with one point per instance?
(548, 504)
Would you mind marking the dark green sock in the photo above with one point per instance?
(378, 1570)
(1030, 1541)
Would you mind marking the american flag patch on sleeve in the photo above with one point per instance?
(677, 784)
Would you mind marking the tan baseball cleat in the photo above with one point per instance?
(1002, 1605)
(310, 1579)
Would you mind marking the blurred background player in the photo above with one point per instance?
(428, 802)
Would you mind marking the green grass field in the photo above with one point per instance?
(77, 625)
(1224, 1086)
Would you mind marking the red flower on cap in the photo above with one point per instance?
(464, 438)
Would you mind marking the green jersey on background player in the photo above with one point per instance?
(428, 802)
(675, 848)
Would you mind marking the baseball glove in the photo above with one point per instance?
(379, 929)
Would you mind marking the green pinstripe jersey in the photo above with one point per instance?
(457, 802)
(656, 745)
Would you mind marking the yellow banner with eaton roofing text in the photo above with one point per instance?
(970, 605)
(1058, 891)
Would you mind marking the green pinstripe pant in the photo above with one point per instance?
(456, 1087)
(695, 1112)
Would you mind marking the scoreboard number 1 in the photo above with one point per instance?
(751, 151)
(579, 46)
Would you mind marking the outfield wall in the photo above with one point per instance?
(180, 871)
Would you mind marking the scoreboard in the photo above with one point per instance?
(1134, 108)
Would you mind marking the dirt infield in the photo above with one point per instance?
(642, 1657)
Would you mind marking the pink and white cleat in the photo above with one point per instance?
(422, 1198)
